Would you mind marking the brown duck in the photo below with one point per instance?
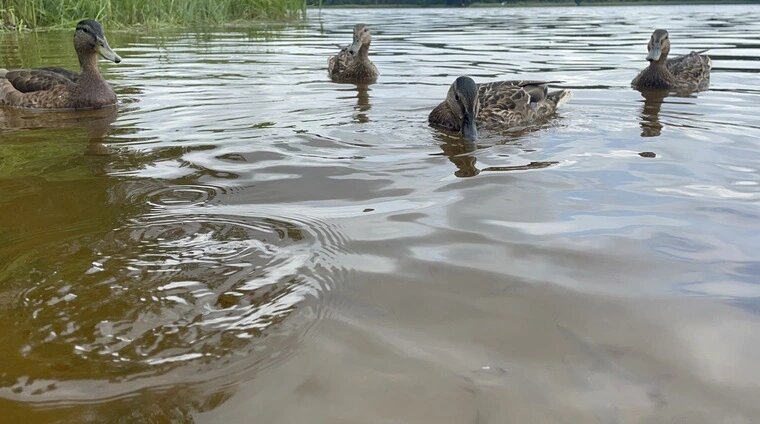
(685, 73)
(495, 106)
(57, 88)
(352, 63)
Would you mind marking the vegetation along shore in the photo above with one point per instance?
(511, 3)
(32, 14)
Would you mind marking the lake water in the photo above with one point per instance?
(247, 240)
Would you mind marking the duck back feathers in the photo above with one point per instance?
(506, 104)
(344, 67)
(691, 71)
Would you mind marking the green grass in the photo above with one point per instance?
(124, 13)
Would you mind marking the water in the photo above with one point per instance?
(247, 239)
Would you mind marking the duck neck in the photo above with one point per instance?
(91, 90)
(364, 52)
(657, 75)
(658, 65)
(89, 64)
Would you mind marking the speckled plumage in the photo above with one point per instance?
(58, 88)
(517, 103)
(686, 73)
(352, 64)
(503, 105)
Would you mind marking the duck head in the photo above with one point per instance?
(89, 39)
(362, 40)
(658, 47)
(462, 100)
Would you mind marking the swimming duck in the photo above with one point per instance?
(352, 63)
(685, 73)
(495, 105)
(57, 88)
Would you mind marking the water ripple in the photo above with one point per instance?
(171, 290)
(247, 199)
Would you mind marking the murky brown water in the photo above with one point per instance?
(265, 245)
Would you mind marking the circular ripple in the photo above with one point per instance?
(169, 298)
(184, 195)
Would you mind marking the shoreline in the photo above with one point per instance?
(557, 3)
(8, 21)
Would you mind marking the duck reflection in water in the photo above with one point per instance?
(650, 112)
(462, 154)
(362, 103)
(96, 123)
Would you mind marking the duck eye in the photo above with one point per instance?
(456, 97)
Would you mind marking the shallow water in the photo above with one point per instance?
(246, 239)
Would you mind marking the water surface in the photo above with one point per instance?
(245, 238)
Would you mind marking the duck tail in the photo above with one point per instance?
(560, 97)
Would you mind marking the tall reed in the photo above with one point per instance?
(45, 13)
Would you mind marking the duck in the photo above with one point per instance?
(58, 88)
(499, 105)
(688, 73)
(352, 64)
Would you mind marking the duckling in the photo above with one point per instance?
(57, 88)
(352, 63)
(686, 73)
(496, 106)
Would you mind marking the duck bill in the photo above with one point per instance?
(355, 47)
(469, 130)
(105, 50)
(654, 54)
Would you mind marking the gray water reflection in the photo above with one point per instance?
(263, 241)
(650, 112)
